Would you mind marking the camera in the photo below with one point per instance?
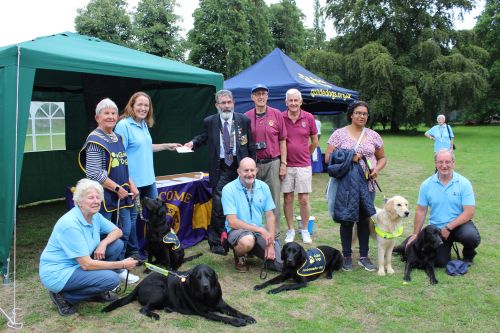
(260, 145)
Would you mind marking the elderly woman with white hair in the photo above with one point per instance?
(82, 255)
(103, 158)
(442, 134)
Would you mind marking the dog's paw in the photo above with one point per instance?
(274, 291)
(155, 316)
(258, 287)
(381, 272)
(238, 322)
(433, 282)
(390, 270)
(329, 276)
(249, 320)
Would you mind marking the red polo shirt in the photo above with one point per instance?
(297, 142)
(270, 129)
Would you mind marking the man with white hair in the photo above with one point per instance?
(301, 142)
(442, 134)
(229, 141)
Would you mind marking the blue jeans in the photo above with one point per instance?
(125, 224)
(83, 285)
(149, 191)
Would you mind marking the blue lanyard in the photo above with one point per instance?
(249, 201)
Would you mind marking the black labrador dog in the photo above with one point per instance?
(421, 253)
(167, 254)
(296, 266)
(194, 292)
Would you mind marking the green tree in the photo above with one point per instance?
(156, 28)
(319, 27)
(229, 35)
(487, 36)
(403, 58)
(107, 20)
(287, 28)
(260, 39)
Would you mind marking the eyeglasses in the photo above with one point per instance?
(360, 114)
(444, 162)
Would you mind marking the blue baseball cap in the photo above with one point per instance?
(259, 86)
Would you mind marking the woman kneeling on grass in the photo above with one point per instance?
(79, 262)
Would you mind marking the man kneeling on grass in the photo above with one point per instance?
(244, 200)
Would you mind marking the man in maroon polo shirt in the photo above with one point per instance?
(302, 140)
(269, 135)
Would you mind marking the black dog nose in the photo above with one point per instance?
(407, 213)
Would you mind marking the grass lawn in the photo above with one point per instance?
(356, 301)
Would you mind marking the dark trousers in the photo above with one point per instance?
(363, 234)
(218, 219)
(467, 235)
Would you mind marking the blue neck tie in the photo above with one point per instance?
(226, 140)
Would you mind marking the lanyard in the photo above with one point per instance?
(249, 200)
(255, 122)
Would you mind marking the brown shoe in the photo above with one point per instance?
(241, 264)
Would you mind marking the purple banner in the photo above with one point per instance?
(189, 209)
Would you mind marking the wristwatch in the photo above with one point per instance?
(117, 188)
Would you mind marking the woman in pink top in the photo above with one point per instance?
(370, 146)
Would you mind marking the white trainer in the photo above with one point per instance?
(131, 277)
(306, 237)
(290, 236)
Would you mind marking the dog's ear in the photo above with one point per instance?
(283, 252)
(390, 209)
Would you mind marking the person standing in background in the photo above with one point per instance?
(269, 135)
(442, 134)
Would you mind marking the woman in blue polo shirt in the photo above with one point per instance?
(82, 256)
(133, 127)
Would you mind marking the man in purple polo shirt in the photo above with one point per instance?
(302, 140)
(269, 135)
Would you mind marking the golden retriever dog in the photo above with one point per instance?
(385, 227)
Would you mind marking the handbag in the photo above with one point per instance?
(449, 135)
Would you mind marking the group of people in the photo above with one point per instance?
(255, 157)
(93, 246)
(262, 154)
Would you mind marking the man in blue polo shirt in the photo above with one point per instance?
(450, 197)
(244, 200)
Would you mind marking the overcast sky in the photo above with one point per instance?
(22, 20)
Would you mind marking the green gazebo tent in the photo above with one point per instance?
(79, 71)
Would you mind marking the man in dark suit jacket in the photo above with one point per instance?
(229, 141)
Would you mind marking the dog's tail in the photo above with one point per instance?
(121, 302)
(186, 259)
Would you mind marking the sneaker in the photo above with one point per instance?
(131, 277)
(366, 263)
(218, 249)
(290, 236)
(63, 307)
(347, 264)
(306, 237)
(104, 297)
(240, 263)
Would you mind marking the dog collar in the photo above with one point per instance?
(164, 271)
(389, 235)
(171, 238)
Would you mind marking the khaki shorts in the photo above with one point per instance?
(298, 180)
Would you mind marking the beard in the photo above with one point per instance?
(225, 115)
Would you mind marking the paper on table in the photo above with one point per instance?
(166, 182)
(184, 179)
(183, 149)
